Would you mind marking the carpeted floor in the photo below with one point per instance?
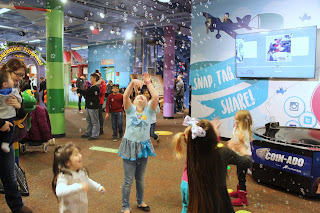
(163, 176)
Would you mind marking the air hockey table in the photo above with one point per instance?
(287, 157)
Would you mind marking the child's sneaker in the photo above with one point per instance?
(80, 111)
(158, 140)
(114, 140)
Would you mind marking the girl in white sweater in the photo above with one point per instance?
(71, 181)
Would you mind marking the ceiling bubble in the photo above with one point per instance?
(70, 20)
(86, 18)
(134, 9)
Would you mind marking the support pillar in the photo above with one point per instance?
(54, 68)
(168, 72)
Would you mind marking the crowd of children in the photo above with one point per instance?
(203, 186)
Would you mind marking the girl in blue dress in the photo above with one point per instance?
(136, 145)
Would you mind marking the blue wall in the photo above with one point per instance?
(217, 92)
(123, 55)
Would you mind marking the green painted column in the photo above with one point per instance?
(54, 68)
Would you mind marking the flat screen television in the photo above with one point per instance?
(289, 53)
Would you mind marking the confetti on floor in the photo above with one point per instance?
(230, 190)
(103, 149)
(163, 132)
(242, 211)
(220, 145)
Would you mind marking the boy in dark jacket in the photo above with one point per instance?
(91, 95)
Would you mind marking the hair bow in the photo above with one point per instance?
(196, 131)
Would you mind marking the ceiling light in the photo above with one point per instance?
(129, 35)
(79, 48)
(40, 48)
(164, 1)
(101, 15)
(35, 41)
(91, 27)
(4, 10)
(112, 31)
(64, 1)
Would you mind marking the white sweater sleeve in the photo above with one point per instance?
(63, 189)
(94, 185)
(15, 92)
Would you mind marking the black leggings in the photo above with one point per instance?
(242, 173)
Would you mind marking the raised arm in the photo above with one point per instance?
(127, 92)
(154, 94)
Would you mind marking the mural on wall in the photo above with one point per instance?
(217, 92)
(213, 23)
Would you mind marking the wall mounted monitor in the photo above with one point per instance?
(288, 53)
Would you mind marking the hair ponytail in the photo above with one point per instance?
(177, 145)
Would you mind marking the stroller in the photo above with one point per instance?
(39, 133)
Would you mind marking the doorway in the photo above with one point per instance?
(109, 73)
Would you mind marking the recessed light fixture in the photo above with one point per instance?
(101, 15)
(91, 27)
(35, 41)
(64, 1)
(164, 1)
(129, 35)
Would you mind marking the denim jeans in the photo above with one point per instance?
(152, 129)
(185, 196)
(117, 123)
(93, 128)
(9, 180)
(133, 169)
(179, 101)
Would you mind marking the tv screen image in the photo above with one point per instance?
(288, 53)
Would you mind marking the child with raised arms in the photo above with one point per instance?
(71, 182)
(136, 145)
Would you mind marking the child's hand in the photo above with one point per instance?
(85, 187)
(73, 89)
(6, 127)
(13, 101)
(107, 115)
(137, 83)
(216, 124)
(243, 151)
(146, 77)
(102, 190)
(230, 144)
